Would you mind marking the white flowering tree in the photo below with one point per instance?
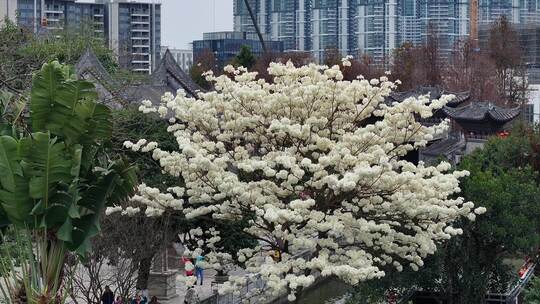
(315, 165)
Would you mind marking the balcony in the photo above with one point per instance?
(147, 70)
(47, 11)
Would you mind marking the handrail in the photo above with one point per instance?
(254, 282)
(507, 298)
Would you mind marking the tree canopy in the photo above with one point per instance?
(503, 179)
(245, 57)
(289, 158)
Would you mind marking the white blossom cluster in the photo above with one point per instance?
(315, 163)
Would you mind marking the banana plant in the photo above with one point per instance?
(11, 109)
(54, 181)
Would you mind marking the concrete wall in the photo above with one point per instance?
(8, 8)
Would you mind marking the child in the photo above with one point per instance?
(189, 267)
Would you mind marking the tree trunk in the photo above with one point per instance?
(144, 273)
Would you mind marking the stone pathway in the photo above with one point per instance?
(203, 291)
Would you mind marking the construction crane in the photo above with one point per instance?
(474, 23)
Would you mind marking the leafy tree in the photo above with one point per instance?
(297, 58)
(22, 53)
(466, 267)
(532, 293)
(504, 49)
(407, 66)
(508, 228)
(11, 111)
(54, 182)
(418, 65)
(130, 123)
(15, 69)
(245, 57)
(332, 56)
(68, 45)
(473, 70)
(206, 61)
(157, 232)
(303, 175)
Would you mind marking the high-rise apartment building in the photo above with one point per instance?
(56, 15)
(517, 11)
(446, 20)
(288, 21)
(134, 32)
(383, 25)
(375, 27)
(131, 28)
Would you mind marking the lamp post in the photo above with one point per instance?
(256, 25)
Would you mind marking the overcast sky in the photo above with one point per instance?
(183, 21)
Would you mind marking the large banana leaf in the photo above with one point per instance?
(46, 162)
(47, 178)
(14, 188)
(98, 119)
(110, 186)
(58, 105)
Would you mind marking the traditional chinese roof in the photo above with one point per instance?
(169, 73)
(445, 147)
(478, 111)
(152, 93)
(90, 68)
(433, 92)
(89, 64)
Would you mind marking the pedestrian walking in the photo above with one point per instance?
(139, 300)
(199, 268)
(118, 300)
(154, 300)
(108, 296)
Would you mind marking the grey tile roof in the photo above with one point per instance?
(477, 111)
(169, 73)
(444, 147)
(433, 92)
(89, 63)
(140, 93)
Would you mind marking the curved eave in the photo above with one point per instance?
(498, 115)
(459, 98)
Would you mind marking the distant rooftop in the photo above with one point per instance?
(480, 111)
(432, 92)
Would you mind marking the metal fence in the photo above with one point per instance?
(255, 282)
